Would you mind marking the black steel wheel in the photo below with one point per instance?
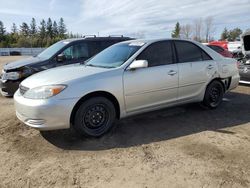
(95, 117)
(214, 95)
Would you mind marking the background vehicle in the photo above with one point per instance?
(221, 50)
(128, 78)
(244, 66)
(64, 52)
(223, 44)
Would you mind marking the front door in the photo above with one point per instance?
(155, 85)
(76, 53)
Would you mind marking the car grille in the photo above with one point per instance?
(23, 89)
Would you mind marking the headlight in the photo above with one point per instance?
(11, 75)
(44, 92)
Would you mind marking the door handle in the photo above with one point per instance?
(172, 73)
(210, 67)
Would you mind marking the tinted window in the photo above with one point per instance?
(98, 46)
(156, 54)
(189, 52)
(77, 51)
(205, 56)
(216, 48)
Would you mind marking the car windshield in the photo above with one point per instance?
(50, 51)
(115, 55)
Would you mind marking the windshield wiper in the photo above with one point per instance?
(91, 65)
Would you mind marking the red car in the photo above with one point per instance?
(221, 50)
(223, 44)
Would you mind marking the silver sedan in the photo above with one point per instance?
(125, 79)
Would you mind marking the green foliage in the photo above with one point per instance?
(231, 35)
(33, 28)
(2, 32)
(234, 34)
(224, 34)
(24, 29)
(176, 32)
(62, 29)
(42, 35)
(14, 29)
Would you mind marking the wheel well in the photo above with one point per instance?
(105, 94)
(224, 83)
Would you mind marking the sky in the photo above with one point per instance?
(147, 18)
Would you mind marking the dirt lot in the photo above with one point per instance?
(178, 147)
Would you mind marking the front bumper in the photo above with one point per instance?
(46, 114)
(8, 88)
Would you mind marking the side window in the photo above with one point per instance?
(98, 46)
(77, 51)
(205, 56)
(157, 54)
(220, 49)
(188, 52)
(68, 53)
(80, 51)
(216, 48)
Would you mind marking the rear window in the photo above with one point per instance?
(189, 52)
(216, 48)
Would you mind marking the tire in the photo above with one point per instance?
(95, 117)
(213, 95)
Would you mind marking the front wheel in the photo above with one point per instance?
(214, 95)
(95, 117)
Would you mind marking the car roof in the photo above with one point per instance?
(97, 39)
(148, 41)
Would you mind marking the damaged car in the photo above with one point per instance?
(244, 66)
(65, 52)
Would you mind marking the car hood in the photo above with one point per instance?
(21, 63)
(61, 75)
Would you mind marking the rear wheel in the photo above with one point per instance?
(95, 117)
(214, 95)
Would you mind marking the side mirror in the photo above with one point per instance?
(60, 58)
(137, 64)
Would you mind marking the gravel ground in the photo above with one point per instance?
(178, 147)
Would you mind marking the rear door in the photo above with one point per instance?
(195, 69)
(155, 85)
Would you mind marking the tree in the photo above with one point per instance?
(2, 31)
(186, 31)
(14, 29)
(55, 29)
(49, 28)
(33, 27)
(13, 37)
(42, 29)
(24, 29)
(198, 30)
(176, 32)
(42, 32)
(208, 28)
(234, 34)
(33, 35)
(62, 29)
(224, 34)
